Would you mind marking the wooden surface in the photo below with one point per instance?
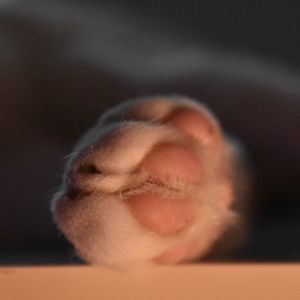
(215, 281)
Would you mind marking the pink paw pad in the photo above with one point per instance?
(194, 123)
(173, 160)
(161, 215)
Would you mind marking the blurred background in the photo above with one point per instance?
(63, 62)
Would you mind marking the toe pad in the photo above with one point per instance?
(173, 160)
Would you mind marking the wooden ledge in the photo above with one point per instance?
(203, 281)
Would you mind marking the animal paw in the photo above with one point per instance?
(152, 182)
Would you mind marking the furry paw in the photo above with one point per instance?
(154, 181)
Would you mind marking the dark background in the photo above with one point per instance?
(63, 62)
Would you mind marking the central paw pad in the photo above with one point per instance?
(160, 214)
